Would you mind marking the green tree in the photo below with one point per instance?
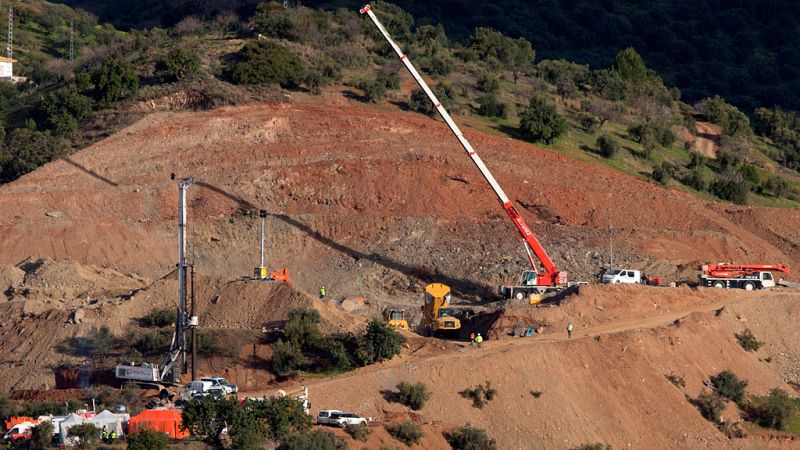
(248, 437)
(265, 62)
(114, 80)
(42, 435)
(469, 438)
(373, 90)
(774, 411)
(85, 434)
(775, 184)
(273, 20)
(379, 343)
(147, 440)
(630, 67)
(541, 122)
(178, 64)
(65, 110)
(282, 417)
(710, 405)
(733, 122)
(313, 440)
(287, 357)
(729, 386)
(29, 149)
(302, 329)
(208, 416)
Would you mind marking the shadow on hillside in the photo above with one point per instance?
(512, 132)
(416, 272)
(89, 171)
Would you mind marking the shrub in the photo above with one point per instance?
(775, 184)
(96, 343)
(773, 411)
(710, 405)
(595, 446)
(422, 104)
(536, 394)
(413, 395)
(730, 186)
(651, 133)
(406, 432)
(265, 62)
(490, 106)
(541, 122)
(469, 438)
(732, 121)
(694, 179)
(65, 110)
(373, 90)
(314, 440)
(248, 436)
(729, 386)
(160, 317)
(86, 435)
(607, 146)
(677, 380)
(661, 173)
(114, 80)
(588, 122)
(480, 394)
(748, 341)
(359, 432)
(178, 64)
(488, 83)
(152, 341)
(147, 440)
(273, 20)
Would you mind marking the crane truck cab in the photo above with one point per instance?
(437, 316)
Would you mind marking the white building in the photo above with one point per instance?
(6, 68)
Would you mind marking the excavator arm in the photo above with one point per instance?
(550, 275)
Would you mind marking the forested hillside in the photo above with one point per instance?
(747, 52)
(622, 114)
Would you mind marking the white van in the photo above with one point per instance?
(622, 276)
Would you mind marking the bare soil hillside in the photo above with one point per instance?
(374, 204)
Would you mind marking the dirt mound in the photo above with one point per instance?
(10, 277)
(253, 304)
(70, 279)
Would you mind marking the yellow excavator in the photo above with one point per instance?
(437, 316)
(396, 318)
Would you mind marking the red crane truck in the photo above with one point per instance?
(743, 276)
(535, 281)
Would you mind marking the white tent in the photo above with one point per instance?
(113, 423)
(71, 420)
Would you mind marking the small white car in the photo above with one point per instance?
(222, 383)
(622, 276)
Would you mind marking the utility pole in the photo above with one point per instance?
(10, 44)
(193, 322)
(263, 215)
(611, 244)
(71, 40)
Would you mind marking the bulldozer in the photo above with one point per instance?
(396, 318)
(438, 318)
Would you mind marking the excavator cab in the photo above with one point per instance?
(396, 318)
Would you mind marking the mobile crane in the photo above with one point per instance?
(745, 276)
(536, 281)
